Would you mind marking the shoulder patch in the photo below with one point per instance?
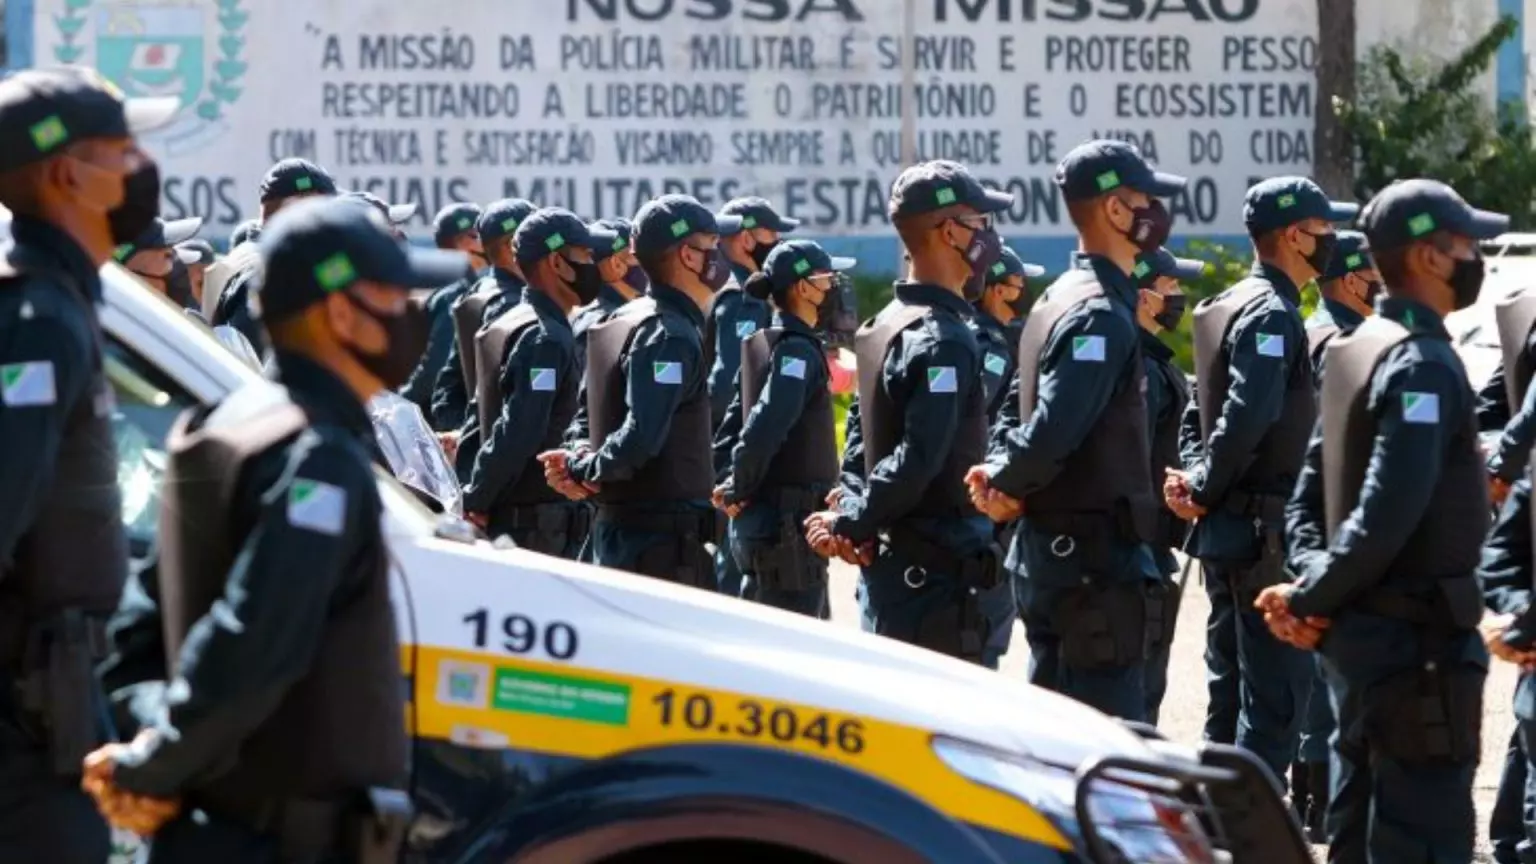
(942, 379)
(792, 367)
(745, 329)
(25, 385)
(1088, 348)
(317, 506)
(1421, 407)
(1270, 344)
(995, 363)
(541, 379)
(667, 372)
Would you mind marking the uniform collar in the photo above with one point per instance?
(59, 249)
(1418, 318)
(506, 280)
(1115, 282)
(1276, 277)
(922, 294)
(1345, 317)
(323, 394)
(791, 323)
(741, 274)
(609, 298)
(675, 299)
(545, 306)
(1151, 344)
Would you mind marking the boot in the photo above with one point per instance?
(1318, 788)
(1301, 790)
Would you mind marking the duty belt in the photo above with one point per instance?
(797, 498)
(924, 556)
(1086, 535)
(698, 522)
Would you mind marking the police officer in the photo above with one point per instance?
(395, 214)
(198, 256)
(286, 182)
(1507, 402)
(783, 452)
(734, 316)
(1384, 529)
(1089, 592)
(648, 460)
(1253, 409)
(928, 556)
(151, 256)
(240, 765)
(998, 321)
(623, 280)
(452, 228)
(77, 185)
(1160, 304)
(504, 286)
(526, 393)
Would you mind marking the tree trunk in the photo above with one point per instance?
(1334, 162)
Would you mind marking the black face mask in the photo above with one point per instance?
(715, 272)
(1467, 280)
(1322, 252)
(1150, 226)
(1021, 306)
(760, 253)
(1172, 312)
(981, 253)
(636, 279)
(141, 204)
(1372, 291)
(407, 334)
(178, 285)
(587, 282)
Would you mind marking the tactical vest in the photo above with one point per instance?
(467, 312)
(492, 344)
(1448, 538)
(75, 552)
(1107, 474)
(883, 422)
(1516, 315)
(1278, 456)
(808, 456)
(682, 470)
(1317, 340)
(1165, 449)
(342, 727)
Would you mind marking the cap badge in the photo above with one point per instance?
(49, 133)
(680, 228)
(945, 196)
(335, 272)
(1421, 224)
(1108, 180)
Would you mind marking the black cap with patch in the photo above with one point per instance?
(1098, 167)
(501, 218)
(622, 231)
(160, 234)
(930, 186)
(1150, 266)
(292, 177)
(664, 222)
(397, 214)
(315, 248)
(1010, 264)
(551, 229)
(43, 110)
(1410, 210)
(1281, 201)
(1351, 255)
(756, 212)
(793, 260)
(455, 220)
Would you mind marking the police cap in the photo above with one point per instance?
(1410, 210)
(43, 110)
(1101, 166)
(396, 214)
(551, 229)
(930, 186)
(1352, 253)
(1151, 266)
(793, 260)
(292, 177)
(160, 235)
(756, 212)
(1010, 264)
(501, 218)
(622, 232)
(454, 221)
(195, 252)
(245, 232)
(1281, 201)
(665, 221)
(316, 248)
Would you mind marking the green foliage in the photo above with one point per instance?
(1416, 117)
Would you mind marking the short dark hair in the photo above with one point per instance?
(1267, 243)
(653, 262)
(19, 188)
(1392, 264)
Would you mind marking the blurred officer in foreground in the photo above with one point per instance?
(928, 556)
(452, 228)
(780, 434)
(1253, 409)
(451, 393)
(77, 186)
(152, 255)
(1160, 304)
(1076, 468)
(1507, 402)
(1384, 533)
(281, 735)
(286, 182)
(734, 315)
(526, 395)
(1347, 290)
(198, 256)
(648, 461)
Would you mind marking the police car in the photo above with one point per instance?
(563, 713)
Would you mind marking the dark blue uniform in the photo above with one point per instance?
(1082, 367)
(1507, 576)
(451, 394)
(999, 345)
(1385, 808)
(1162, 401)
(734, 316)
(440, 344)
(797, 373)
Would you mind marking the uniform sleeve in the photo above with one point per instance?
(260, 636)
(934, 379)
(1157, 396)
(851, 473)
(728, 434)
(794, 374)
(1258, 372)
(1416, 408)
(581, 425)
(1493, 408)
(1085, 361)
(530, 381)
(450, 395)
(1514, 451)
(44, 373)
(136, 664)
(1305, 532)
(726, 313)
(1505, 569)
(418, 388)
(1191, 437)
(661, 370)
(1007, 419)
